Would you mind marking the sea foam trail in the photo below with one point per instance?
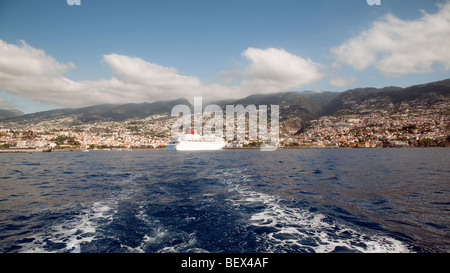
(72, 233)
(281, 228)
(300, 230)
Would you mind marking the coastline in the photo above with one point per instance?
(17, 151)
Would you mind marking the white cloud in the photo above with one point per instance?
(342, 81)
(31, 73)
(138, 71)
(397, 47)
(148, 81)
(25, 60)
(144, 81)
(276, 70)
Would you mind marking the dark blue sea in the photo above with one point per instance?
(230, 201)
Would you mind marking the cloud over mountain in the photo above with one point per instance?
(394, 46)
(397, 47)
(29, 72)
(274, 70)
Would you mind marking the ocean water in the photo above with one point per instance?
(230, 201)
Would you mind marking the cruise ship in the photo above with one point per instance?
(195, 142)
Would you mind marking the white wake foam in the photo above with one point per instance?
(69, 235)
(287, 229)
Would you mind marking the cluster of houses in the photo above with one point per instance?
(399, 126)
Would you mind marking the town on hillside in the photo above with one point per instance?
(368, 125)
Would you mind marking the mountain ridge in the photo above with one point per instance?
(296, 107)
(10, 113)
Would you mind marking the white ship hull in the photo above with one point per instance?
(195, 146)
(195, 143)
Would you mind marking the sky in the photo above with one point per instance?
(56, 55)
